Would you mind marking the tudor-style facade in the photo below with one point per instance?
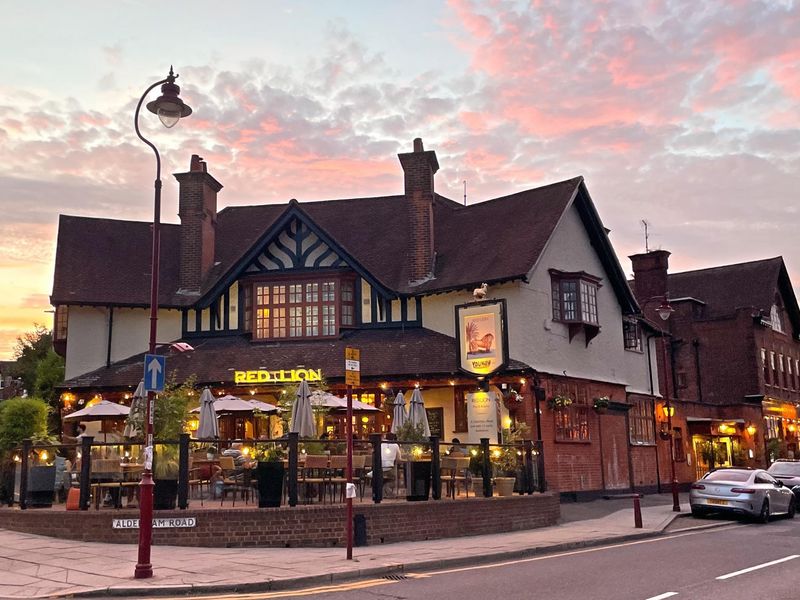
(277, 286)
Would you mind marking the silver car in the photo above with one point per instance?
(746, 492)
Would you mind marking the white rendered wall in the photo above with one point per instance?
(535, 339)
(87, 335)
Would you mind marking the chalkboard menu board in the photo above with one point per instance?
(436, 421)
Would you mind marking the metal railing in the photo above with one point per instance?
(523, 460)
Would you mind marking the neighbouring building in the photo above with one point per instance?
(9, 386)
(731, 361)
(266, 293)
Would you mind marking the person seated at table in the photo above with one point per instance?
(456, 449)
(390, 452)
(235, 451)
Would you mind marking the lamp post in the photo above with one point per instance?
(664, 311)
(169, 108)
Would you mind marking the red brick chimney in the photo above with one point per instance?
(419, 168)
(197, 209)
(650, 278)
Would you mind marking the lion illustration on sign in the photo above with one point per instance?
(477, 343)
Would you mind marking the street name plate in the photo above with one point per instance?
(158, 523)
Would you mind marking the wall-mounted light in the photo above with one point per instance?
(668, 411)
(751, 429)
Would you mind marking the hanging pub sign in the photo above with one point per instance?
(482, 337)
(280, 376)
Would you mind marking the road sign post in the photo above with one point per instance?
(352, 377)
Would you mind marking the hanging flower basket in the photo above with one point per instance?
(559, 402)
(601, 404)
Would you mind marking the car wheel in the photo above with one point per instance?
(698, 513)
(792, 509)
(763, 516)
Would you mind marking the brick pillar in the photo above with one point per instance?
(197, 209)
(419, 168)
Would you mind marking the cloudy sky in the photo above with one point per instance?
(682, 113)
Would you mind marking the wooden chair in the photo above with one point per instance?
(233, 479)
(200, 477)
(315, 473)
(454, 473)
(337, 475)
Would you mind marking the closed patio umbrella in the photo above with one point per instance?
(399, 416)
(302, 414)
(137, 411)
(416, 412)
(208, 426)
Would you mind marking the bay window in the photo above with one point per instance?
(574, 301)
(309, 308)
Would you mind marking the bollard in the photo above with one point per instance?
(637, 512)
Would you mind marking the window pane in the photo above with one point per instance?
(347, 291)
(312, 292)
(279, 294)
(556, 293)
(329, 291)
(279, 322)
(295, 293)
(347, 314)
(329, 320)
(588, 302)
(312, 320)
(569, 300)
(296, 321)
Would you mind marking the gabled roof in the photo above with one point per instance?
(727, 288)
(105, 261)
(384, 353)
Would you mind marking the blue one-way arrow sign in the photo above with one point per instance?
(155, 367)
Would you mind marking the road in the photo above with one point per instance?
(740, 560)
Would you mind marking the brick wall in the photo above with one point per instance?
(302, 526)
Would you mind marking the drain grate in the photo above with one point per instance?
(395, 577)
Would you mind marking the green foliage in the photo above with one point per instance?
(22, 418)
(49, 373)
(559, 402)
(273, 453)
(165, 461)
(601, 403)
(476, 461)
(171, 411)
(410, 432)
(30, 349)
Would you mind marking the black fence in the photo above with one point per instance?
(92, 471)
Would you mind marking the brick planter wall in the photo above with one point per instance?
(302, 526)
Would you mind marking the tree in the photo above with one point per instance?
(31, 348)
(22, 418)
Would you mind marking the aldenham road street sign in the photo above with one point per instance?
(157, 523)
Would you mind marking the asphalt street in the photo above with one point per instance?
(737, 561)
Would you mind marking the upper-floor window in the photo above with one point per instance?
(783, 382)
(301, 309)
(632, 335)
(764, 366)
(574, 297)
(60, 321)
(774, 368)
(775, 318)
(789, 373)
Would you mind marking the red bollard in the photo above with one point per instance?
(637, 512)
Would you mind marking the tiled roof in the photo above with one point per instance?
(106, 261)
(384, 353)
(727, 288)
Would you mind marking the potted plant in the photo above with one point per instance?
(418, 469)
(169, 421)
(559, 401)
(601, 404)
(269, 473)
(504, 461)
(476, 471)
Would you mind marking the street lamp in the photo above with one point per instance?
(169, 108)
(664, 311)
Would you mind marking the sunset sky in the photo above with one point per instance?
(686, 114)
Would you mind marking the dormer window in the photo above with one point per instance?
(574, 300)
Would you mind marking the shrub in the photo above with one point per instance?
(22, 418)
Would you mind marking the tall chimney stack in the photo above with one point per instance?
(650, 278)
(197, 209)
(419, 168)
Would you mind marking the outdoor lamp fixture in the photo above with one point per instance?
(664, 311)
(751, 429)
(169, 108)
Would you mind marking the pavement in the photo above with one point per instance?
(41, 567)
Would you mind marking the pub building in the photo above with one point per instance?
(523, 291)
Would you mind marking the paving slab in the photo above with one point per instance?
(41, 567)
